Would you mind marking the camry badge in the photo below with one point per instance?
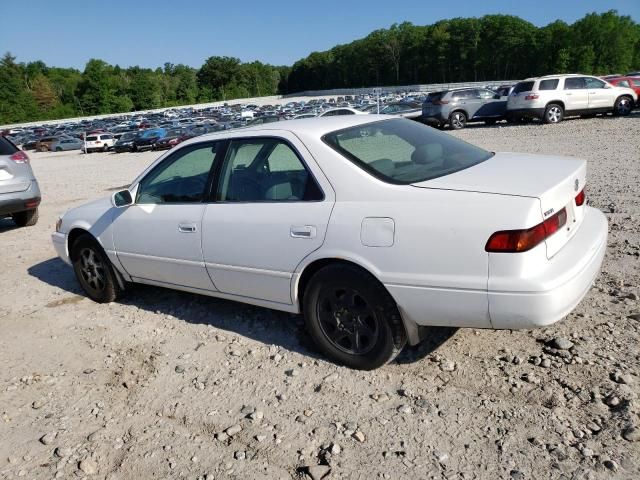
(576, 185)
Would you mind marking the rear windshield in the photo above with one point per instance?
(6, 147)
(523, 87)
(92, 139)
(402, 151)
(548, 84)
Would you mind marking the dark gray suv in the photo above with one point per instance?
(19, 191)
(462, 105)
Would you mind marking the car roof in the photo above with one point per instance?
(317, 126)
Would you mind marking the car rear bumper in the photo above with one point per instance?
(558, 288)
(59, 241)
(20, 201)
(525, 113)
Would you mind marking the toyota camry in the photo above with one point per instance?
(371, 227)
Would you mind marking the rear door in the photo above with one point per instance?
(576, 94)
(469, 101)
(15, 176)
(271, 210)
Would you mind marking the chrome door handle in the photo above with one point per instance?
(303, 231)
(187, 228)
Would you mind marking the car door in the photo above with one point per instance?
(271, 210)
(490, 106)
(600, 97)
(159, 237)
(576, 94)
(469, 100)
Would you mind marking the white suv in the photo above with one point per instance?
(553, 97)
(99, 141)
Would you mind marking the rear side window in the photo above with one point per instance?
(402, 151)
(92, 139)
(523, 87)
(6, 147)
(549, 84)
(465, 94)
(574, 83)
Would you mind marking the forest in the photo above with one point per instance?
(493, 47)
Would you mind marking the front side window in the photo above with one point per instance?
(594, 82)
(624, 83)
(635, 83)
(181, 178)
(487, 94)
(265, 170)
(402, 151)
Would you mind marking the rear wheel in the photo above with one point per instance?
(105, 148)
(623, 106)
(352, 318)
(457, 120)
(28, 218)
(94, 271)
(58, 149)
(553, 113)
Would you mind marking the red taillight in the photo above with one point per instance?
(511, 241)
(532, 96)
(20, 157)
(581, 197)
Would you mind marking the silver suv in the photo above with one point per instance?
(553, 97)
(19, 191)
(462, 105)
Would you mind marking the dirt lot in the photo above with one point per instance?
(173, 385)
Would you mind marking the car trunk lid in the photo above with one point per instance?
(554, 181)
(14, 177)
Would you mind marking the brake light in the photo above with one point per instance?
(580, 198)
(20, 157)
(512, 241)
(532, 96)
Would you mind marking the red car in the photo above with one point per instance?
(630, 82)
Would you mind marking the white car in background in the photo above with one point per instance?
(553, 97)
(370, 226)
(99, 142)
(333, 112)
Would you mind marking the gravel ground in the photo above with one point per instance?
(172, 385)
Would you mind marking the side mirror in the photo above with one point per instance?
(121, 199)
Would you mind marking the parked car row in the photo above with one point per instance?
(548, 99)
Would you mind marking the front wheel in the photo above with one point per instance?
(352, 318)
(94, 271)
(553, 113)
(623, 106)
(457, 120)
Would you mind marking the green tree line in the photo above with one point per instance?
(492, 47)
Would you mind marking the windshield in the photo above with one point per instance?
(403, 151)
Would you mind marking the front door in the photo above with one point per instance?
(271, 210)
(159, 238)
(600, 98)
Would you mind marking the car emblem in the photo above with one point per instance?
(576, 185)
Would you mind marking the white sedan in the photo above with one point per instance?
(371, 227)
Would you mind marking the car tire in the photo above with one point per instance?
(332, 299)
(105, 148)
(554, 113)
(58, 149)
(94, 270)
(623, 106)
(27, 218)
(457, 120)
